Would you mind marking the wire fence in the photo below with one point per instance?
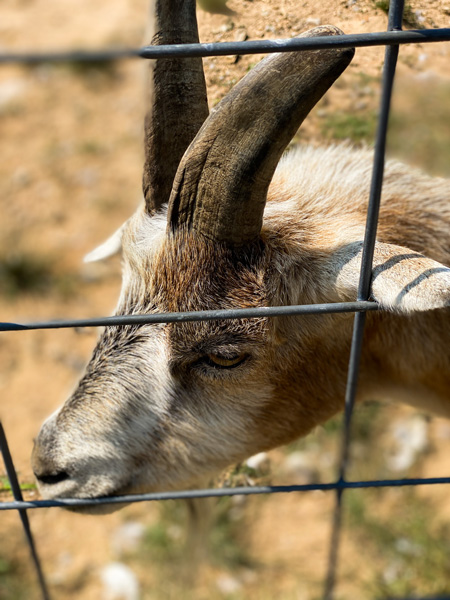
(392, 39)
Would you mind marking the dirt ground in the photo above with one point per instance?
(70, 174)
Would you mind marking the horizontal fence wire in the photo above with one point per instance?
(220, 492)
(392, 39)
(357, 40)
(201, 315)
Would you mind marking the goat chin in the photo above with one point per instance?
(97, 510)
(106, 508)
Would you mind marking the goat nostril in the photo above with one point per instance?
(52, 479)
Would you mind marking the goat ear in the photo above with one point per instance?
(112, 246)
(402, 280)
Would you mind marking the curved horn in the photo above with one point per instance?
(221, 185)
(178, 101)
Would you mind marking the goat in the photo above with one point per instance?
(164, 406)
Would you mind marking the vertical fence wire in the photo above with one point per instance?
(395, 16)
(17, 493)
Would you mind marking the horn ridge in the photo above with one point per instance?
(221, 185)
(178, 101)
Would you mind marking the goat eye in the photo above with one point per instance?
(225, 362)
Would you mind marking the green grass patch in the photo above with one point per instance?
(409, 16)
(408, 552)
(187, 551)
(167, 541)
(419, 126)
(26, 274)
(16, 582)
(5, 486)
(108, 69)
(355, 127)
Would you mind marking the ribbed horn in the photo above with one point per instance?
(221, 185)
(178, 101)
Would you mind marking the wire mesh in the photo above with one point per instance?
(392, 38)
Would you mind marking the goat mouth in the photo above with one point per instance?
(101, 504)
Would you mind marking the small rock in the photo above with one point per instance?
(87, 177)
(411, 439)
(61, 573)
(226, 584)
(21, 177)
(419, 16)
(119, 582)
(127, 538)
(175, 532)
(392, 572)
(248, 577)
(361, 105)
(11, 90)
(227, 27)
(313, 21)
(299, 468)
(240, 35)
(408, 548)
(258, 462)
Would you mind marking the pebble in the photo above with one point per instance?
(299, 467)
(226, 584)
(241, 35)
(411, 439)
(258, 461)
(313, 21)
(11, 90)
(127, 537)
(119, 582)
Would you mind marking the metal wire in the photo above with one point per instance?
(220, 492)
(390, 63)
(17, 493)
(391, 38)
(205, 315)
(357, 40)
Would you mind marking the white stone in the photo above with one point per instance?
(119, 582)
(313, 21)
(411, 439)
(301, 468)
(226, 584)
(407, 547)
(258, 461)
(11, 90)
(127, 537)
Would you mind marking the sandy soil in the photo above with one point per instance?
(70, 173)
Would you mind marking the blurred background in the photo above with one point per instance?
(70, 173)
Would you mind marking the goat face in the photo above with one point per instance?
(161, 405)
